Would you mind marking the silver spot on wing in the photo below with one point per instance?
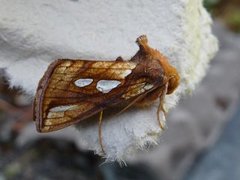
(83, 82)
(106, 86)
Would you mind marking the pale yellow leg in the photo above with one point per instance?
(160, 106)
(100, 131)
(161, 109)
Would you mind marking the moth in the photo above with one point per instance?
(73, 90)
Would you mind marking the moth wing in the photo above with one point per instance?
(73, 90)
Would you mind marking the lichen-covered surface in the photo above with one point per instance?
(34, 33)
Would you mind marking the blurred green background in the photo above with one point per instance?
(226, 10)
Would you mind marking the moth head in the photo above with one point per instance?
(171, 74)
(173, 82)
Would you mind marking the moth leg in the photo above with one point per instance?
(161, 108)
(159, 111)
(100, 131)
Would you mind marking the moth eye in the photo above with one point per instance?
(83, 82)
(105, 86)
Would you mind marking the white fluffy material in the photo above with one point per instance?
(34, 33)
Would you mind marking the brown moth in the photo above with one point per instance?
(73, 90)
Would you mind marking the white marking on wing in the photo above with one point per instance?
(105, 86)
(148, 86)
(83, 82)
(63, 108)
(55, 114)
(125, 73)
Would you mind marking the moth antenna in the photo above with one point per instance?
(129, 105)
(133, 102)
(161, 107)
(100, 131)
